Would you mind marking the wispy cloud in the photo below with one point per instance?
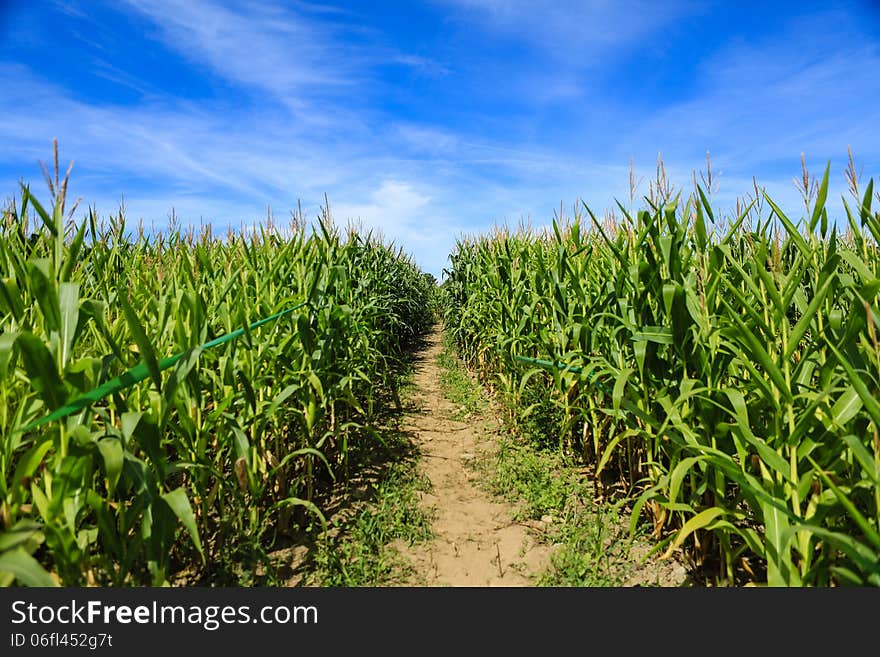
(424, 65)
(277, 50)
(505, 120)
(760, 105)
(578, 34)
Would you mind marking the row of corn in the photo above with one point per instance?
(224, 452)
(723, 371)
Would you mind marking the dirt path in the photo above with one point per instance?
(475, 541)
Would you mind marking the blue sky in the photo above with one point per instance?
(428, 121)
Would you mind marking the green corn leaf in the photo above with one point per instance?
(679, 472)
(856, 262)
(7, 349)
(869, 401)
(68, 302)
(820, 200)
(143, 342)
(178, 502)
(306, 334)
(649, 494)
(658, 334)
(26, 534)
(73, 255)
(41, 212)
(42, 286)
(10, 295)
(42, 371)
(26, 570)
(704, 202)
(242, 445)
(619, 387)
(112, 453)
(608, 452)
(295, 501)
(303, 451)
(29, 462)
(249, 394)
(846, 407)
(777, 551)
(864, 457)
(769, 284)
(702, 519)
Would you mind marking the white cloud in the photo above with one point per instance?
(399, 212)
(576, 33)
(257, 44)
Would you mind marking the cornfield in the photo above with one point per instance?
(723, 371)
(168, 399)
(224, 448)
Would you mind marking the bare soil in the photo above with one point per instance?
(475, 541)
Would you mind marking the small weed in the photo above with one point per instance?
(592, 549)
(529, 478)
(458, 387)
(590, 540)
(361, 554)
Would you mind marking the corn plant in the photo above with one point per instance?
(723, 370)
(202, 446)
